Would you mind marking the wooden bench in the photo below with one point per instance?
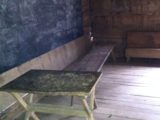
(89, 65)
(93, 60)
(143, 45)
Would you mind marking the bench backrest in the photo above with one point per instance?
(143, 40)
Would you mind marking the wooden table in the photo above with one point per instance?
(51, 82)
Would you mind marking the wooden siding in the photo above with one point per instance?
(86, 16)
(112, 19)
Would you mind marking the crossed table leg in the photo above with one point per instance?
(31, 107)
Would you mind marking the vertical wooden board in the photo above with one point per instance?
(86, 21)
(107, 5)
(120, 6)
(143, 40)
(117, 21)
(137, 39)
(151, 20)
(96, 4)
(131, 22)
(86, 16)
(125, 15)
(100, 22)
(136, 6)
(150, 7)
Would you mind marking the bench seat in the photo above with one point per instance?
(143, 52)
(143, 45)
(93, 60)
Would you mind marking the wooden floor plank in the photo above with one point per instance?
(130, 91)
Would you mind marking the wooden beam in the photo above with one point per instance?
(57, 109)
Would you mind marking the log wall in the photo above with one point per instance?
(112, 19)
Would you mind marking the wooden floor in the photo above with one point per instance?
(129, 92)
(125, 92)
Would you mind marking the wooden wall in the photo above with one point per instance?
(112, 19)
(86, 16)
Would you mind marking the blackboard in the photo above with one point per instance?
(29, 28)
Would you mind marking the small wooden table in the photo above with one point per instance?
(51, 82)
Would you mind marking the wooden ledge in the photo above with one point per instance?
(142, 52)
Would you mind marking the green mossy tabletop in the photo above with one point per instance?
(51, 81)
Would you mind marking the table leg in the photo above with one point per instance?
(87, 109)
(72, 99)
(28, 114)
(93, 104)
(25, 106)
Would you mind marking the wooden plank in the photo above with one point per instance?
(133, 106)
(133, 90)
(143, 40)
(125, 92)
(60, 110)
(143, 53)
(116, 102)
(106, 116)
(92, 61)
(127, 113)
(153, 101)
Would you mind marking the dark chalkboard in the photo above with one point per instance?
(29, 28)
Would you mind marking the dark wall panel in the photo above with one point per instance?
(113, 19)
(29, 28)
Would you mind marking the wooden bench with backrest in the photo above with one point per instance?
(143, 45)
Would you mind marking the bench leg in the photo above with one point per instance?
(25, 106)
(72, 99)
(28, 114)
(87, 109)
(93, 104)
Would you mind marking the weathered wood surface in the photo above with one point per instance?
(125, 92)
(94, 60)
(143, 45)
(142, 53)
(130, 91)
(54, 82)
(51, 82)
(112, 19)
(143, 40)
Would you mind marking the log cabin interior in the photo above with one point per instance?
(64, 34)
